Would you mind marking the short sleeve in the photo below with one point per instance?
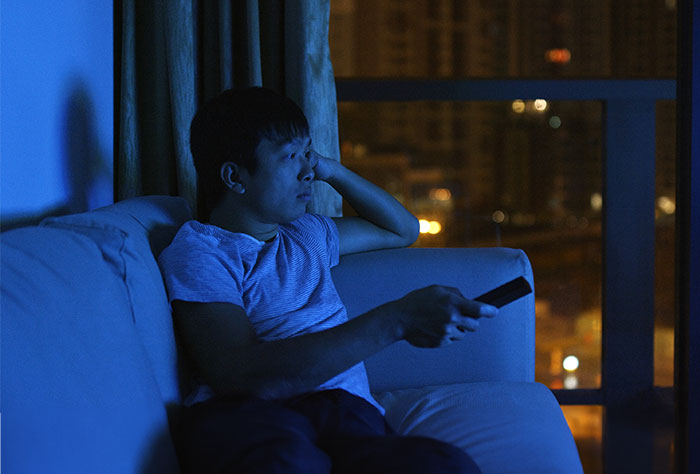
(196, 272)
(323, 230)
(332, 240)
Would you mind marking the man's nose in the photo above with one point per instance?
(307, 171)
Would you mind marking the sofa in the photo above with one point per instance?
(93, 377)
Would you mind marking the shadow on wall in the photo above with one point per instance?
(87, 176)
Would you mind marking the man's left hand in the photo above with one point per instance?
(324, 168)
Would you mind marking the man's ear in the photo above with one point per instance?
(231, 177)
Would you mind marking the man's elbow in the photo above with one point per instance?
(225, 383)
(252, 380)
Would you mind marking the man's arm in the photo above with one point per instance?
(382, 223)
(222, 344)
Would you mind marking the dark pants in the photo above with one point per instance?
(331, 431)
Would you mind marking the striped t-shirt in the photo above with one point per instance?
(284, 285)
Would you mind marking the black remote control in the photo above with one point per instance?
(506, 293)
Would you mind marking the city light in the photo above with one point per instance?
(429, 227)
(440, 194)
(540, 105)
(558, 55)
(554, 121)
(666, 204)
(596, 201)
(570, 363)
(518, 106)
(570, 382)
(498, 216)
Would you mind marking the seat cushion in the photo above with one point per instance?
(507, 427)
(78, 394)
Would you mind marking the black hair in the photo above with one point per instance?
(230, 126)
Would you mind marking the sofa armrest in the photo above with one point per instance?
(503, 349)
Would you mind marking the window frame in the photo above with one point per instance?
(687, 341)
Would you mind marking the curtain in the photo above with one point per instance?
(176, 54)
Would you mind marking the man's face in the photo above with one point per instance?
(280, 189)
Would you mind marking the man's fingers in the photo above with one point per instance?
(467, 324)
(313, 158)
(453, 291)
(471, 308)
(466, 327)
(476, 309)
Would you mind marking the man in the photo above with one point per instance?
(283, 386)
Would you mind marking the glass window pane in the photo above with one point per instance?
(474, 38)
(520, 174)
(586, 424)
(664, 433)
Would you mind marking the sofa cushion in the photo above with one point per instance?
(77, 390)
(129, 234)
(507, 427)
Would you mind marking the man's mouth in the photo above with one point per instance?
(304, 196)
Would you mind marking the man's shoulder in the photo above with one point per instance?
(197, 234)
(191, 234)
(312, 224)
(196, 268)
(318, 233)
(194, 239)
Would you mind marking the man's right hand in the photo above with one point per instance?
(437, 315)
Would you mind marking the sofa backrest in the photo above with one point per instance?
(129, 234)
(78, 390)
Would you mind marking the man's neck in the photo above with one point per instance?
(238, 222)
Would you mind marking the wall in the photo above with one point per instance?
(56, 108)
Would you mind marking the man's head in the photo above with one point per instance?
(230, 127)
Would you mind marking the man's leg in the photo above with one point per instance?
(243, 435)
(357, 438)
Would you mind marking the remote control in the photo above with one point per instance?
(506, 293)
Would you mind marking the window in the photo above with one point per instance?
(546, 165)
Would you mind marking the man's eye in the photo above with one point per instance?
(290, 156)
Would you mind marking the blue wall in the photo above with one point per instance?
(56, 120)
